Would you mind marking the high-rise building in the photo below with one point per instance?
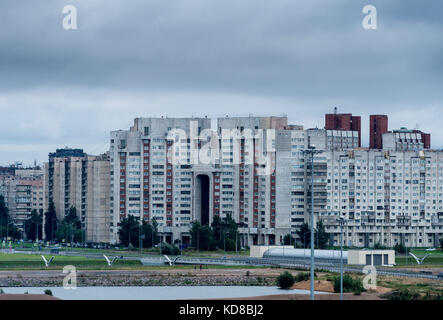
(176, 171)
(378, 125)
(22, 190)
(75, 179)
(406, 140)
(344, 121)
(386, 197)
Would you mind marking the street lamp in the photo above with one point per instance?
(342, 222)
(311, 152)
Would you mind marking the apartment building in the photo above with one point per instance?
(386, 197)
(75, 179)
(176, 171)
(343, 122)
(22, 190)
(406, 140)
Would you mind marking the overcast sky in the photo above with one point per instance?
(131, 58)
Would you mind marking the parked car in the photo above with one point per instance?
(440, 275)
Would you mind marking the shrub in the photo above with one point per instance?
(399, 248)
(302, 277)
(1, 291)
(285, 280)
(349, 284)
(379, 246)
(401, 294)
(48, 292)
(169, 249)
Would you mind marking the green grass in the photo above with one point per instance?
(435, 259)
(21, 261)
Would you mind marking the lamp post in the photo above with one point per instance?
(311, 152)
(341, 221)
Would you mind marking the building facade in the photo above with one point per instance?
(176, 171)
(343, 122)
(378, 125)
(75, 179)
(22, 190)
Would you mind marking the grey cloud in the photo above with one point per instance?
(134, 58)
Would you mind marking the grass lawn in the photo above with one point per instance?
(435, 259)
(21, 261)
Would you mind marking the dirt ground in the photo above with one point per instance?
(333, 296)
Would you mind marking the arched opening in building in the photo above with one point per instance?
(202, 198)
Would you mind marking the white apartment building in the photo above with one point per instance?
(23, 192)
(257, 172)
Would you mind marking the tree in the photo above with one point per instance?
(400, 248)
(34, 225)
(70, 228)
(51, 222)
(441, 243)
(7, 227)
(321, 237)
(225, 230)
(217, 229)
(72, 218)
(285, 280)
(304, 235)
(202, 237)
(129, 231)
(150, 234)
(288, 240)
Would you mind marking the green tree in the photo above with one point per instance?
(400, 248)
(288, 240)
(285, 280)
(149, 233)
(321, 237)
(129, 231)
(217, 229)
(441, 243)
(202, 237)
(72, 218)
(7, 227)
(225, 231)
(68, 232)
(34, 225)
(304, 235)
(51, 222)
(69, 228)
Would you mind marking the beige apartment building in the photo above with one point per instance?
(75, 179)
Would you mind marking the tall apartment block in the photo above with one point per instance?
(344, 121)
(378, 125)
(75, 179)
(386, 197)
(23, 192)
(406, 140)
(158, 177)
(254, 169)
